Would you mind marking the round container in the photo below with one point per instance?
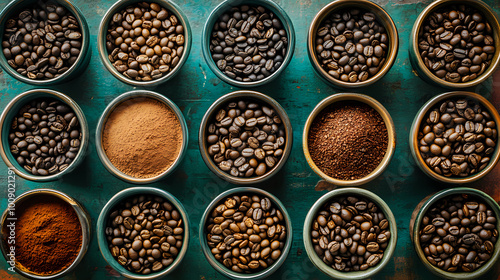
(209, 116)
(416, 221)
(219, 266)
(391, 131)
(13, 108)
(224, 7)
(417, 122)
(102, 123)
(103, 30)
(83, 217)
(352, 275)
(103, 242)
(418, 64)
(75, 70)
(382, 16)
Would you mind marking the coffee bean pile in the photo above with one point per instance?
(145, 41)
(351, 45)
(145, 234)
(456, 43)
(42, 42)
(350, 234)
(457, 138)
(246, 139)
(458, 233)
(248, 43)
(246, 233)
(45, 136)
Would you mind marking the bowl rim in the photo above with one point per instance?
(120, 197)
(172, 7)
(427, 203)
(417, 61)
(353, 275)
(16, 5)
(219, 266)
(101, 124)
(220, 9)
(245, 94)
(381, 110)
(415, 127)
(382, 16)
(83, 217)
(23, 99)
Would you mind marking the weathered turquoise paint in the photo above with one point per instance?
(298, 90)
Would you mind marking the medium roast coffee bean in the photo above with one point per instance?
(454, 235)
(248, 43)
(149, 238)
(42, 41)
(351, 48)
(246, 233)
(145, 41)
(353, 241)
(456, 43)
(40, 136)
(246, 138)
(452, 138)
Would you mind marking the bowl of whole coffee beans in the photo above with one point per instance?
(349, 139)
(44, 135)
(43, 42)
(143, 233)
(246, 233)
(454, 137)
(144, 43)
(350, 233)
(248, 43)
(455, 44)
(352, 43)
(245, 137)
(455, 233)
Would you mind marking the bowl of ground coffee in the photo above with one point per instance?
(350, 233)
(45, 234)
(352, 44)
(248, 43)
(246, 233)
(44, 135)
(245, 137)
(44, 42)
(455, 233)
(141, 137)
(349, 139)
(144, 43)
(143, 233)
(455, 44)
(454, 137)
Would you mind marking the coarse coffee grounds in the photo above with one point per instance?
(48, 235)
(142, 137)
(348, 140)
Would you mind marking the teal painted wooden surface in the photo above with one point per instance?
(298, 90)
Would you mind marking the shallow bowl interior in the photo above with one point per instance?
(5, 124)
(391, 131)
(210, 116)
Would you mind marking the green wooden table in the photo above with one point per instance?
(298, 90)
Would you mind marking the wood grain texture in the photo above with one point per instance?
(298, 90)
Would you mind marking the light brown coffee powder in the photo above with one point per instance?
(142, 137)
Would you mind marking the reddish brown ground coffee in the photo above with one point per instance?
(348, 140)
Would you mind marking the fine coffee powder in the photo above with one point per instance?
(348, 140)
(142, 137)
(48, 235)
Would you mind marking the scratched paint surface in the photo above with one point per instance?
(298, 90)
